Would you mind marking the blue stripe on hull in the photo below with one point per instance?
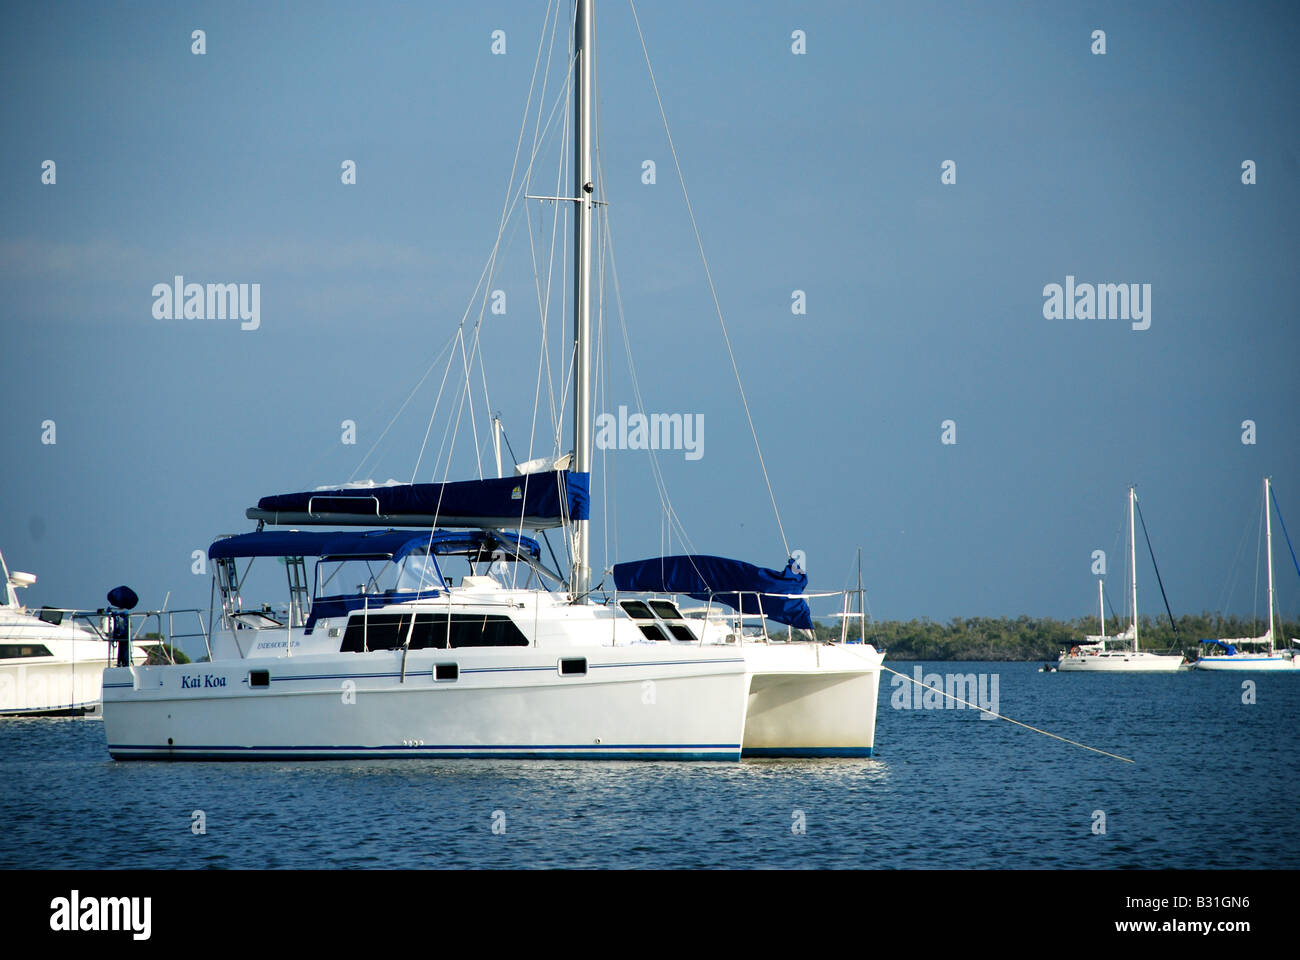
(807, 752)
(76, 710)
(723, 752)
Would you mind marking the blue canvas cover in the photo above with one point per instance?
(732, 582)
(1228, 648)
(394, 544)
(537, 501)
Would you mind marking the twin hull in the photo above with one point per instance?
(654, 701)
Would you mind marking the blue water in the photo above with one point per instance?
(1214, 785)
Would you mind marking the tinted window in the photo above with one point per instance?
(482, 631)
(637, 610)
(666, 609)
(15, 650)
(388, 631)
(382, 631)
(652, 631)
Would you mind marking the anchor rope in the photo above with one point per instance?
(999, 716)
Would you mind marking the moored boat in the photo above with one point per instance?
(1121, 654)
(505, 656)
(1255, 653)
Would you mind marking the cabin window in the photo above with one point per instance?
(388, 631)
(14, 651)
(446, 671)
(378, 631)
(682, 632)
(471, 630)
(672, 617)
(666, 609)
(653, 631)
(259, 678)
(637, 610)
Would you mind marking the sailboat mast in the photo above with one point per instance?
(584, 188)
(1133, 561)
(1268, 545)
(1101, 607)
(862, 601)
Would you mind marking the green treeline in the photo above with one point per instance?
(1033, 638)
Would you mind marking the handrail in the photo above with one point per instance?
(93, 619)
(313, 513)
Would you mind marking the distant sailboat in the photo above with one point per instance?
(1114, 654)
(1225, 655)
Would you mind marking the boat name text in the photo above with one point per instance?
(207, 680)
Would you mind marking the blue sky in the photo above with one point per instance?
(817, 172)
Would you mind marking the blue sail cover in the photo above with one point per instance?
(370, 544)
(732, 582)
(1228, 648)
(537, 501)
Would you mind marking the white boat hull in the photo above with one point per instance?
(50, 686)
(1117, 662)
(1276, 663)
(662, 701)
(63, 680)
(812, 700)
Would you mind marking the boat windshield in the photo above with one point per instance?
(415, 571)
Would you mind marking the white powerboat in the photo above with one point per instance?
(1121, 654)
(1254, 653)
(438, 631)
(51, 660)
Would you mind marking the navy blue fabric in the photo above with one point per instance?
(732, 582)
(1228, 648)
(370, 543)
(539, 500)
(323, 608)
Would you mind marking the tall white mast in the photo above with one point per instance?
(584, 50)
(1101, 607)
(1133, 561)
(1268, 545)
(496, 442)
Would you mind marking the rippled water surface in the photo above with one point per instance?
(1214, 785)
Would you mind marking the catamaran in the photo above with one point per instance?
(430, 626)
(1119, 654)
(1263, 655)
